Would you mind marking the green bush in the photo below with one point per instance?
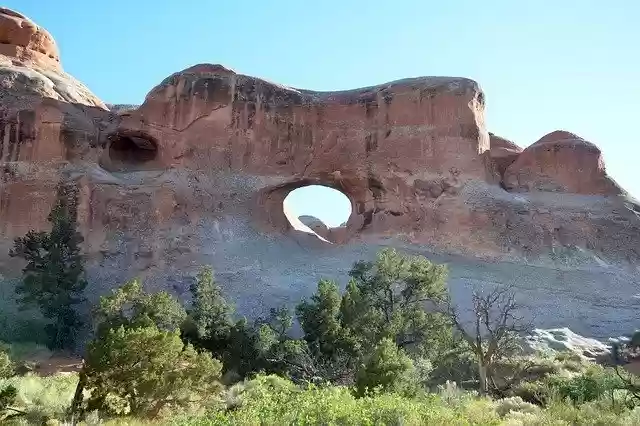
(269, 400)
(595, 383)
(389, 369)
(42, 397)
(515, 404)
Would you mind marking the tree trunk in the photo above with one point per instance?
(78, 397)
(156, 408)
(482, 371)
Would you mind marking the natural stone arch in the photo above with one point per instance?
(268, 206)
(308, 209)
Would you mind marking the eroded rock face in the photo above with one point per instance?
(380, 145)
(503, 152)
(47, 119)
(198, 175)
(561, 162)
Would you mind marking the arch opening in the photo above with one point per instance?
(132, 150)
(319, 210)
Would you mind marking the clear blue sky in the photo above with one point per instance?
(544, 64)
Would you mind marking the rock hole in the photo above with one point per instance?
(132, 150)
(318, 210)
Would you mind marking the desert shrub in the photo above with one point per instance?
(563, 413)
(595, 383)
(269, 400)
(451, 394)
(536, 392)
(92, 418)
(42, 398)
(577, 388)
(515, 404)
(533, 377)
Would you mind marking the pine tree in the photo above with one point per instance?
(53, 279)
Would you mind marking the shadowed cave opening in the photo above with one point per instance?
(317, 209)
(132, 150)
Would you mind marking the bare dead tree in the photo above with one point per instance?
(626, 353)
(494, 332)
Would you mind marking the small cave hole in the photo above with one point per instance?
(132, 150)
(318, 210)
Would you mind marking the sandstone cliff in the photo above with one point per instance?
(198, 173)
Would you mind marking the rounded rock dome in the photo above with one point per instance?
(22, 39)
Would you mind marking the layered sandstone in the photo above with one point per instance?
(382, 146)
(198, 175)
(47, 118)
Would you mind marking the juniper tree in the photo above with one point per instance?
(209, 320)
(147, 369)
(393, 298)
(53, 279)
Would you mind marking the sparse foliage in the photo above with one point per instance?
(624, 353)
(495, 330)
(53, 279)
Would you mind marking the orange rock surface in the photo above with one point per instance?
(23, 40)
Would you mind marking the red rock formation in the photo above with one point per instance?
(46, 118)
(380, 145)
(209, 144)
(503, 152)
(561, 162)
(23, 40)
(198, 175)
